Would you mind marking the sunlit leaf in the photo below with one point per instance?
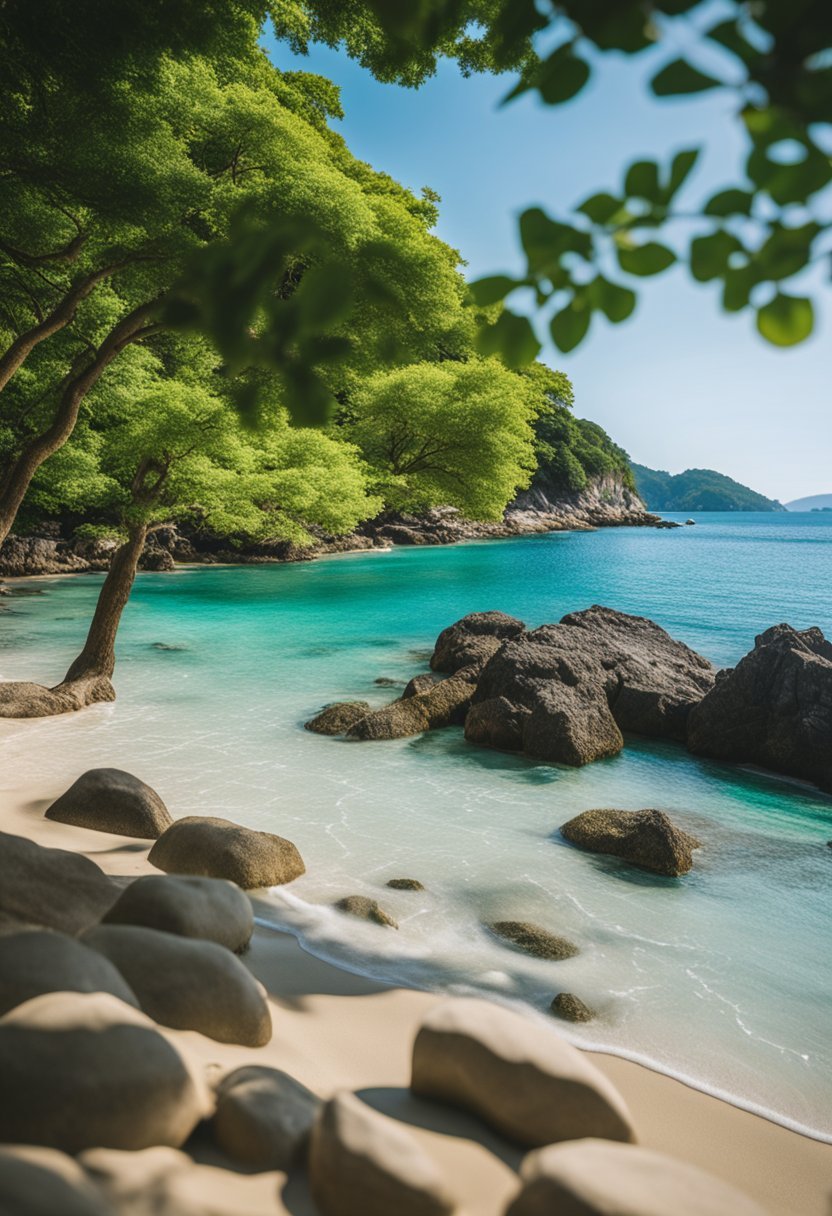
(786, 320)
(600, 208)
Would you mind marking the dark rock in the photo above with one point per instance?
(645, 838)
(496, 723)
(417, 686)
(571, 1008)
(774, 708)
(690, 522)
(445, 703)
(51, 887)
(44, 1182)
(38, 961)
(110, 800)
(473, 639)
(532, 939)
(404, 884)
(264, 1117)
(211, 909)
(338, 718)
(218, 848)
(387, 682)
(365, 909)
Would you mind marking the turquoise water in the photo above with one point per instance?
(722, 977)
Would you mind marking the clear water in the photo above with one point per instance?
(722, 977)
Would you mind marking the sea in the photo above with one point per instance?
(722, 978)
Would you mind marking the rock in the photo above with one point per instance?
(39, 961)
(23, 699)
(110, 800)
(218, 848)
(404, 884)
(445, 703)
(533, 940)
(82, 1070)
(365, 909)
(336, 719)
(187, 984)
(417, 686)
(50, 887)
(496, 723)
(387, 682)
(396, 721)
(212, 909)
(264, 1117)
(596, 1178)
(774, 708)
(519, 1076)
(690, 522)
(667, 523)
(38, 1181)
(473, 639)
(571, 1008)
(362, 1161)
(645, 838)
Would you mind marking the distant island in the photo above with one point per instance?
(815, 502)
(701, 490)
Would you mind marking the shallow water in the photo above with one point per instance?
(722, 977)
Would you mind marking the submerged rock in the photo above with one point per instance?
(365, 908)
(212, 909)
(218, 848)
(404, 884)
(444, 703)
(336, 719)
(571, 1008)
(110, 800)
(473, 639)
(645, 838)
(264, 1117)
(51, 887)
(533, 940)
(39, 961)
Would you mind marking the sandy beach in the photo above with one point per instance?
(333, 1029)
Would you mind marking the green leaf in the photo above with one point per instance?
(680, 168)
(727, 34)
(737, 286)
(651, 258)
(491, 290)
(561, 76)
(569, 326)
(710, 255)
(730, 202)
(325, 296)
(615, 302)
(600, 208)
(680, 77)
(512, 338)
(642, 181)
(545, 240)
(786, 320)
(786, 251)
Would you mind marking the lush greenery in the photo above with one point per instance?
(697, 490)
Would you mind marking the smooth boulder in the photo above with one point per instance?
(648, 839)
(212, 909)
(264, 1117)
(596, 1178)
(38, 961)
(364, 908)
(473, 639)
(83, 1070)
(518, 1075)
(50, 887)
(37, 1181)
(571, 1008)
(336, 719)
(187, 984)
(218, 848)
(533, 940)
(362, 1161)
(110, 800)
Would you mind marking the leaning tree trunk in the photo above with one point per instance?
(98, 658)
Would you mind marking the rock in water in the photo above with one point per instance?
(444, 703)
(110, 800)
(365, 909)
(774, 708)
(571, 1008)
(533, 940)
(218, 848)
(51, 887)
(596, 1178)
(264, 1117)
(645, 838)
(473, 639)
(519, 1076)
(35, 962)
(336, 719)
(404, 884)
(44, 1182)
(85, 1070)
(187, 984)
(364, 1162)
(209, 908)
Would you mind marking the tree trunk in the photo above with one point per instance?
(98, 658)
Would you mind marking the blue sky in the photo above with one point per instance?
(680, 384)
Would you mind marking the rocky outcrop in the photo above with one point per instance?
(52, 888)
(774, 708)
(48, 552)
(337, 719)
(533, 940)
(211, 909)
(648, 839)
(404, 884)
(571, 1008)
(445, 703)
(110, 800)
(35, 962)
(23, 699)
(364, 908)
(473, 640)
(264, 1117)
(218, 848)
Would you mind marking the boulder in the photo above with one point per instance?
(50, 887)
(187, 984)
(110, 800)
(365, 909)
(444, 703)
(39, 961)
(336, 719)
(596, 1178)
(404, 884)
(418, 685)
(362, 1161)
(648, 839)
(218, 848)
(473, 639)
(37, 1181)
(774, 708)
(190, 906)
(264, 1117)
(532, 939)
(496, 723)
(571, 1008)
(517, 1074)
(83, 1069)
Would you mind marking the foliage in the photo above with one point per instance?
(697, 490)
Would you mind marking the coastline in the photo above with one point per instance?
(334, 1028)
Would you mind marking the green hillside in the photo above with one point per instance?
(697, 490)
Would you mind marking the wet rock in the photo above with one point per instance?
(362, 1161)
(365, 909)
(387, 682)
(417, 686)
(85, 1070)
(648, 839)
(519, 1076)
(218, 848)
(473, 639)
(445, 703)
(774, 708)
(532, 939)
(50, 887)
(338, 718)
(496, 723)
(110, 800)
(571, 1008)
(264, 1117)
(404, 884)
(596, 1178)
(39, 961)
(187, 984)
(37, 1181)
(212, 909)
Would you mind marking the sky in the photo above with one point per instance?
(680, 384)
